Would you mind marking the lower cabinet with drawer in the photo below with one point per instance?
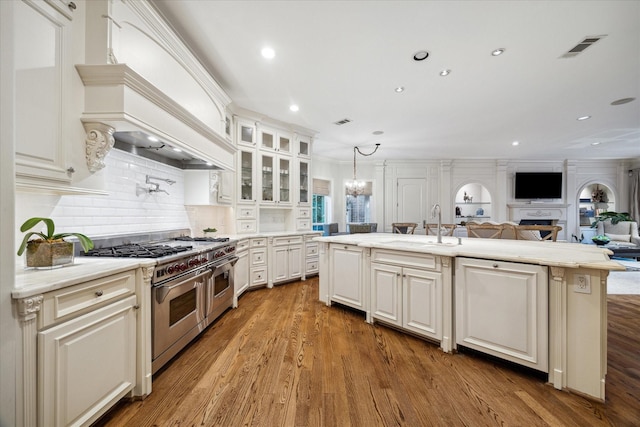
(86, 347)
(312, 261)
(257, 262)
(287, 259)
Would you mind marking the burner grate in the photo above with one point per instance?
(202, 239)
(137, 251)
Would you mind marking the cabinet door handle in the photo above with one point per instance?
(135, 307)
(99, 293)
(495, 265)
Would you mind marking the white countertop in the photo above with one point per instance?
(269, 234)
(554, 254)
(33, 282)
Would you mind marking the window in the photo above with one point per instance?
(318, 209)
(358, 208)
(320, 203)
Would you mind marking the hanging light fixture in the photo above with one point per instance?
(355, 187)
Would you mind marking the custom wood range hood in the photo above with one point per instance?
(123, 109)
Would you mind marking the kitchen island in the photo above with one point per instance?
(538, 304)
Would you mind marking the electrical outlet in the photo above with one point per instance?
(583, 284)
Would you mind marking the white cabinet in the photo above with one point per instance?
(246, 175)
(287, 259)
(501, 309)
(87, 349)
(312, 251)
(304, 146)
(87, 364)
(241, 270)
(302, 184)
(43, 70)
(272, 140)
(258, 262)
(348, 280)
(408, 297)
(275, 179)
(208, 187)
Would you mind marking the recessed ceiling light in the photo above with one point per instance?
(445, 72)
(268, 53)
(421, 55)
(294, 108)
(498, 52)
(377, 132)
(176, 149)
(399, 89)
(622, 101)
(153, 139)
(581, 118)
(209, 164)
(515, 143)
(595, 143)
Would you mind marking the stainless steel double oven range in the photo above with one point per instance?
(192, 284)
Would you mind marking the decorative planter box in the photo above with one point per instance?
(42, 254)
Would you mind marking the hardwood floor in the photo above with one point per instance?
(285, 359)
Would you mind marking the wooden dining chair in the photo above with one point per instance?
(485, 230)
(537, 232)
(447, 229)
(404, 227)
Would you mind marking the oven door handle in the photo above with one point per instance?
(163, 290)
(225, 266)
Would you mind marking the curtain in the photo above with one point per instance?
(634, 197)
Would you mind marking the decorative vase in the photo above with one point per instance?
(600, 241)
(42, 254)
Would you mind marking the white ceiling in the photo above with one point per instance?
(343, 59)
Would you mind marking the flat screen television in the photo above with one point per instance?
(538, 185)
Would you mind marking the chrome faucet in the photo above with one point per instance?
(435, 210)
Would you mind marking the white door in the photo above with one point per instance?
(347, 278)
(422, 295)
(412, 200)
(295, 261)
(386, 284)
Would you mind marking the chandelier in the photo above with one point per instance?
(355, 187)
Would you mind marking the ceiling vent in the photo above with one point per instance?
(342, 122)
(580, 47)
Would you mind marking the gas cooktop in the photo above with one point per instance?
(202, 239)
(134, 250)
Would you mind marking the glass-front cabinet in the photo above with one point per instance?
(275, 141)
(275, 179)
(246, 133)
(246, 175)
(303, 183)
(304, 146)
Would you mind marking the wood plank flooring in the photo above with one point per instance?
(285, 359)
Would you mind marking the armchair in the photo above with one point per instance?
(624, 232)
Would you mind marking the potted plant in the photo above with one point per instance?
(208, 230)
(615, 217)
(50, 249)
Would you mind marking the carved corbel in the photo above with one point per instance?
(99, 142)
(28, 308)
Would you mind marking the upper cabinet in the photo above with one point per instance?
(304, 146)
(42, 72)
(271, 140)
(246, 133)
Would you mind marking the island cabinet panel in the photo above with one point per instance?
(346, 270)
(86, 365)
(501, 309)
(407, 297)
(287, 259)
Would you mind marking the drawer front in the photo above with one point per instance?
(312, 266)
(247, 226)
(304, 213)
(246, 213)
(303, 224)
(69, 302)
(311, 236)
(288, 240)
(408, 259)
(312, 249)
(258, 257)
(259, 243)
(242, 245)
(258, 276)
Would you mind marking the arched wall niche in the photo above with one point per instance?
(590, 205)
(477, 205)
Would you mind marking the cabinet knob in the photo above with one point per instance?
(135, 307)
(72, 6)
(99, 293)
(495, 265)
